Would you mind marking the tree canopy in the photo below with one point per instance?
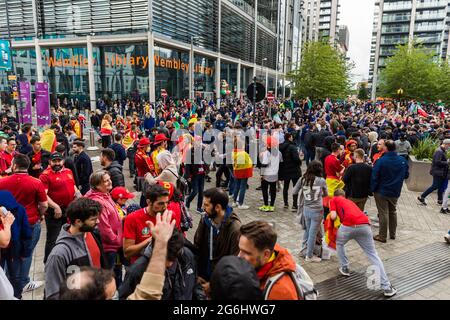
(414, 69)
(323, 73)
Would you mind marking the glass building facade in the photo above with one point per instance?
(121, 34)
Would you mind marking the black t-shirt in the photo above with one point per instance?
(357, 180)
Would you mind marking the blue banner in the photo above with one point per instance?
(5, 55)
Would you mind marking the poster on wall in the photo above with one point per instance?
(5, 55)
(25, 98)
(42, 104)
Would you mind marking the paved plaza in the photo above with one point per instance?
(417, 226)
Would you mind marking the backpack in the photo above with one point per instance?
(182, 184)
(186, 218)
(302, 281)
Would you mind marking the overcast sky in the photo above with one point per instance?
(358, 16)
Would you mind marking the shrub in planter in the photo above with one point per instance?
(425, 149)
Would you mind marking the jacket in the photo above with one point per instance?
(284, 288)
(69, 250)
(271, 163)
(290, 168)
(119, 152)
(115, 172)
(179, 283)
(214, 243)
(20, 245)
(110, 225)
(70, 164)
(83, 164)
(388, 175)
(439, 166)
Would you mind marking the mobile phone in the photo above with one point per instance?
(4, 211)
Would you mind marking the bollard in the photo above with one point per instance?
(92, 146)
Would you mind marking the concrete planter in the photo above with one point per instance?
(419, 175)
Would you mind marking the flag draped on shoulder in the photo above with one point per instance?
(48, 140)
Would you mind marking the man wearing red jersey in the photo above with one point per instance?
(334, 170)
(61, 191)
(136, 230)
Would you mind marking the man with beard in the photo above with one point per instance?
(78, 245)
(217, 234)
(60, 187)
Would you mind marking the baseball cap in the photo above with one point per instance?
(121, 193)
(446, 141)
(56, 156)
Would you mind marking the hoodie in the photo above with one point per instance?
(115, 172)
(110, 225)
(284, 288)
(70, 250)
(214, 243)
(20, 243)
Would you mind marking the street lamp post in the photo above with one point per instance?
(399, 93)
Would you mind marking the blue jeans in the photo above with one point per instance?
(197, 185)
(240, 186)
(310, 154)
(437, 185)
(111, 258)
(363, 235)
(18, 268)
(313, 220)
(231, 185)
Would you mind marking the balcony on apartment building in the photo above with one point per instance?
(431, 4)
(430, 27)
(397, 6)
(396, 18)
(430, 16)
(395, 29)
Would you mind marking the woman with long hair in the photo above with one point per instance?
(311, 188)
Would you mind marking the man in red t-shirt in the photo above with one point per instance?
(30, 193)
(334, 170)
(356, 225)
(61, 191)
(10, 151)
(136, 229)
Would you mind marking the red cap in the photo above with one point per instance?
(160, 137)
(169, 188)
(121, 193)
(144, 142)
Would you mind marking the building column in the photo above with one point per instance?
(151, 68)
(255, 42)
(39, 68)
(218, 80)
(284, 86)
(90, 52)
(412, 23)
(238, 80)
(191, 70)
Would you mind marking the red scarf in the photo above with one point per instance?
(36, 159)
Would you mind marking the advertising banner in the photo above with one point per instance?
(42, 104)
(25, 98)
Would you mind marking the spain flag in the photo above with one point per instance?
(48, 140)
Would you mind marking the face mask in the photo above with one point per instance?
(57, 168)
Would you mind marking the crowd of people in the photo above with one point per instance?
(353, 150)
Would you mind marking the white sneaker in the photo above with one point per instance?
(447, 238)
(243, 207)
(234, 205)
(313, 259)
(32, 285)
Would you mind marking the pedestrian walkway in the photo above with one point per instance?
(418, 226)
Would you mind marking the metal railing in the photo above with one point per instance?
(395, 29)
(432, 4)
(244, 6)
(396, 18)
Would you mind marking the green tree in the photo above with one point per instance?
(323, 73)
(444, 83)
(363, 93)
(413, 69)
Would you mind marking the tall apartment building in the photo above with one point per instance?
(321, 19)
(343, 39)
(404, 21)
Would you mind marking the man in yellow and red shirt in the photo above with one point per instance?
(61, 191)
